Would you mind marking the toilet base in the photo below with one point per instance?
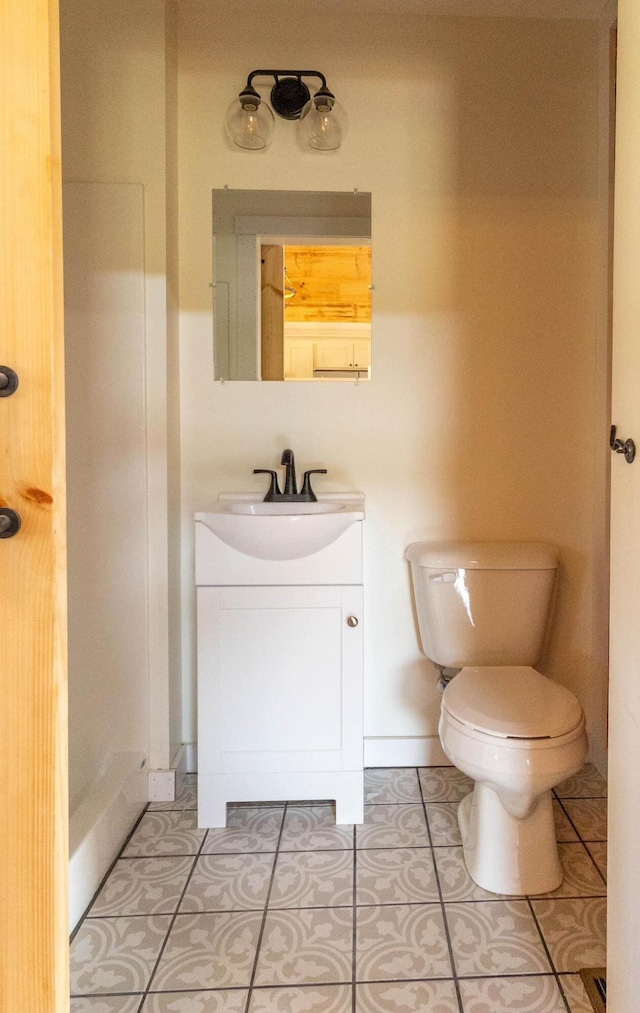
(505, 854)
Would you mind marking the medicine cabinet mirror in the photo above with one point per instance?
(292, 285)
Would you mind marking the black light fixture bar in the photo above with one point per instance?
(289, 94)
(275, 74)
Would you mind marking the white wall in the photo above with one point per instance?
(106, 479)
(115, 82)
(118, 89)
(478, 141)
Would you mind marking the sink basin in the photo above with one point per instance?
(282, 530)
(283, 509)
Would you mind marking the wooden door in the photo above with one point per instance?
(272, 313)
(33, 817)
(623, 967)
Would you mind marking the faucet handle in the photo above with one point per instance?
(307, 491)
(274, 489)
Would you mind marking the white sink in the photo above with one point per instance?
(283, 509)
(282, 530)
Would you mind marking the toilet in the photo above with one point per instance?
(483, 608)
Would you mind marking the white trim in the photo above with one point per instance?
(100, 824)
(387, 751)
(405, 751)
(166, 785)
(181, 766)
(161, 786)
(191, 752)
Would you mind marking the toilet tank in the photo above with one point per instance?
(482, 603)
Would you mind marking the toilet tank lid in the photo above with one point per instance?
(483, 555)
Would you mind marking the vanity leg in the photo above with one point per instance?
(350, 801)
(212, 804)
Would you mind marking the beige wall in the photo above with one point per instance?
(478, 142)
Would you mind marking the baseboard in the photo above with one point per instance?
(599, 759)
(181, 766)
(191, 753)
(404, 751)
(382, 751)
(166, 785)
(99, 825)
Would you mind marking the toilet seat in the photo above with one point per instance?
(512, 702)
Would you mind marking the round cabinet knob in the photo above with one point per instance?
(352, 621)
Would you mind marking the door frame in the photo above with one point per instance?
(33, 656)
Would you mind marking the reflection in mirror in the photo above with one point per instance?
(292, 289)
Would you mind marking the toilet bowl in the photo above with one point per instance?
(515, 756)
(483, 608)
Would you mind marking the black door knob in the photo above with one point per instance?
(10, 522)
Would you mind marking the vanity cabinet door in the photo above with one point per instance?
(333, 353)
(362, 354)
(298, 360)
(279, 679)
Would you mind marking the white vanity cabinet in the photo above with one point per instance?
(280, 659)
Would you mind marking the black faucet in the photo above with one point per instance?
(290, 484)
(290, 494)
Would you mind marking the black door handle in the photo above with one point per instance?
(626, 447)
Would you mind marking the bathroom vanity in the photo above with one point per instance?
(280, 659)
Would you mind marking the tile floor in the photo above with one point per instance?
(284, 912)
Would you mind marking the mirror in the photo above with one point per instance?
(292, 285)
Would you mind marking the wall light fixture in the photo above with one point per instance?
(322, 121)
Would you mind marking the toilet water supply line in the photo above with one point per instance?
(445, 675)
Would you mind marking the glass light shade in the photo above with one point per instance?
(249, 124)
(323, 123)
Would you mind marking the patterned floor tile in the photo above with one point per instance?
(576, 994)
(564, 829)
(495, 938)
(574, 930)
(392, 826)
(247, 830)
(186, 799)
(407, 997)
(311, 946)
(209, 951)
(581, 877)
(587, 783)
(165, 833)
(395, 876)
(401, 941)
(106, 1004)
(444, 784)
(312, 879)
(589, 816)
(229, 883)
(512, 995)
(598, 851)
(116, 954)
(455, 881)
(230, 1001)
(143, 886)
(443, 823)
(302, 999)
(391, 784)
(314, 829)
